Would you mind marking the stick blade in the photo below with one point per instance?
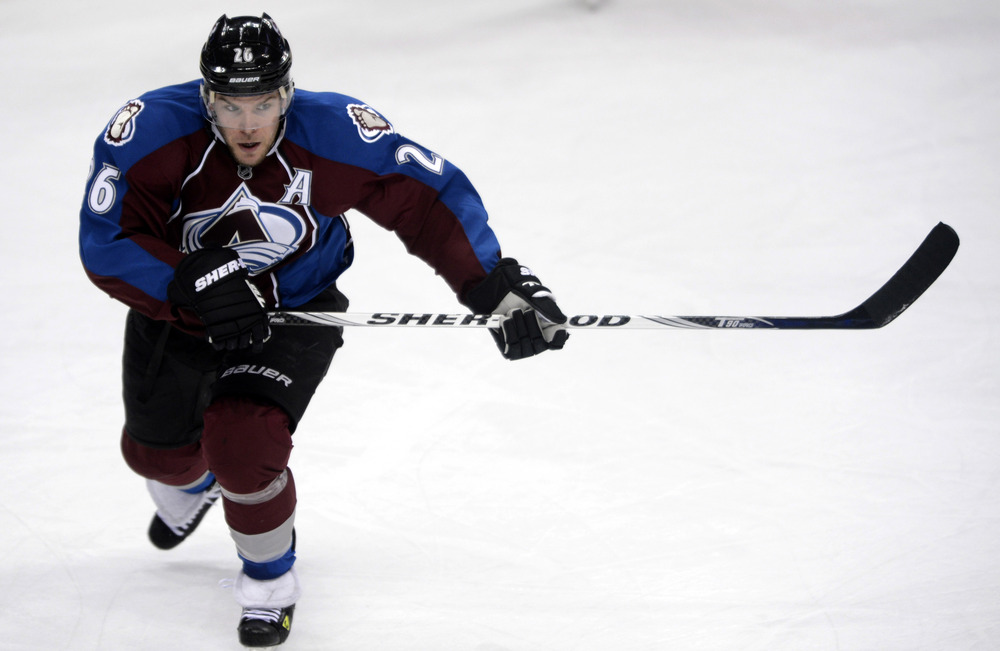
(918, 273)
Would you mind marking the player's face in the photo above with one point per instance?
(248, 124)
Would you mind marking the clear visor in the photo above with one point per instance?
(249, 112)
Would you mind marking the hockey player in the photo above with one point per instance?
(213, 201)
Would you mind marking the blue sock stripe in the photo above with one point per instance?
(270, 569)
(202, 486)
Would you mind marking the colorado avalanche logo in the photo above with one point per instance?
(263, 234)
(123, 124)
(371, 126)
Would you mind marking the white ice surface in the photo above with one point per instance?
(637, 491)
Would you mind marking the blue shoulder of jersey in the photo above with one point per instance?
(346, 130)
(150, 121)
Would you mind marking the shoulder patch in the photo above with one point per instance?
(122, 127)
(371, 126)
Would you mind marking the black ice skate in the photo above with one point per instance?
(267, 608)
(178, 513)
(262, 627)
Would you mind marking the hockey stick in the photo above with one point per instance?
(917, 274)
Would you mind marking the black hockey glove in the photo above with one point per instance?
(214, 283)
(532, 322)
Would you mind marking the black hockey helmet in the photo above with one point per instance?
(246, 55)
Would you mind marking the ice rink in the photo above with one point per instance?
(637, 491)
